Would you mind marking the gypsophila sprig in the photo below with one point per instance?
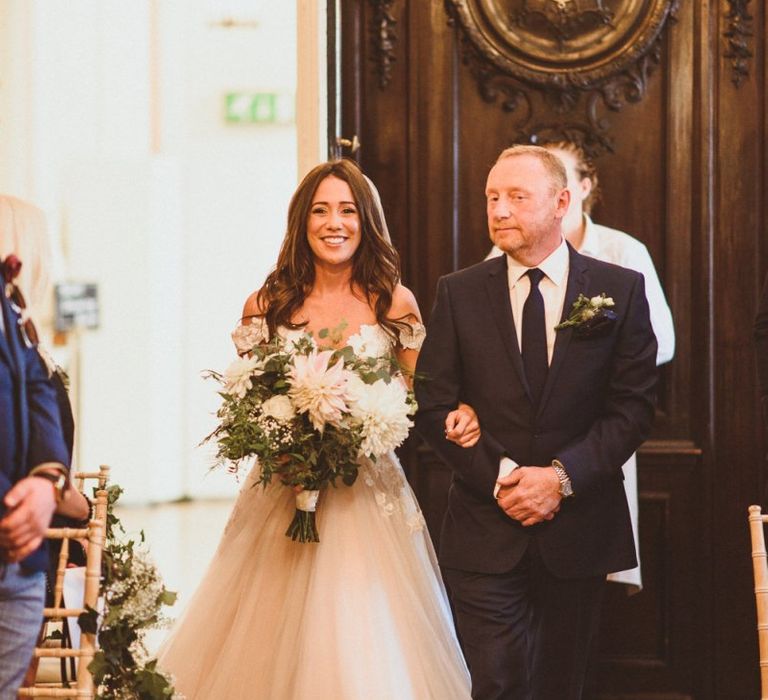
(309, 412)
(134, 596)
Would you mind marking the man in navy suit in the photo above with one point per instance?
(537, 514)
(33, 477)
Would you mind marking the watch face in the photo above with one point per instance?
(566, 489)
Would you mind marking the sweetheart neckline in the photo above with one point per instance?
(358, 333)
(245, 336)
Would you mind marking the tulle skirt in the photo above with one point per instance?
(361, 615)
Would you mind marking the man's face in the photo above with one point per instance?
(524, 208)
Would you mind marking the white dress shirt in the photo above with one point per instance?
(620, 248)
(552, 286)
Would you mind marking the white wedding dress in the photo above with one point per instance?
(361, 615)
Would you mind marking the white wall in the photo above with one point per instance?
(111, 119)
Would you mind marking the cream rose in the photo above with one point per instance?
(279, 407)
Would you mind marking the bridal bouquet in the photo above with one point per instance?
(308, 413)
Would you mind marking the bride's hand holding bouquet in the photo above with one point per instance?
(308, 414)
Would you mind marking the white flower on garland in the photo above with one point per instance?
(279, 407)
(319, 390)
(381, 409)
(138, 594)
(239, 375)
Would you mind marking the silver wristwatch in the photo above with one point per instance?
(566, 490)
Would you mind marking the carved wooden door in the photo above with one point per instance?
(669, 96)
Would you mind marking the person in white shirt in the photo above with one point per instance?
(614, 246)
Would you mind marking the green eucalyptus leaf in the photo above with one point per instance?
(151, 684)
(167, 597)
(98, 666)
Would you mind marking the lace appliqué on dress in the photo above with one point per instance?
(248, 335)
(392, 493)
(412, 337)
(370, 341)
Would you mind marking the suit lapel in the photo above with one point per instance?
(578, 277)
(497, 285)
(5, 350)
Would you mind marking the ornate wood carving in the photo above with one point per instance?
(580, 58)
(384, 39)
(738, 35)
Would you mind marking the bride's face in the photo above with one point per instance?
(333, 225)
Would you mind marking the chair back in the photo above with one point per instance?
(760, 570)
(95, 534)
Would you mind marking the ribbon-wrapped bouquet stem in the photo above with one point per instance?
(308, 414)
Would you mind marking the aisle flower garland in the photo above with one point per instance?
(133, 602)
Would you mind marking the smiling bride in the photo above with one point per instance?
(362, 614)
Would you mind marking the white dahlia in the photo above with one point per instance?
(319, 390)
(381, 410)
(239, 375)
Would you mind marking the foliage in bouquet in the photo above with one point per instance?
(308, 413)
(134, 598)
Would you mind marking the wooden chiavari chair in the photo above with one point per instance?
(760, 569)
(94, 534)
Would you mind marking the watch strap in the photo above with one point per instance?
(566, 488)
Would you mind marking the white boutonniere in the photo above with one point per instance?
(590, 315)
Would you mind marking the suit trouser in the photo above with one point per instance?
(21, 614)
(526, 634)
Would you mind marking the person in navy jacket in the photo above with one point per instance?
(556, 354)
(33, 479)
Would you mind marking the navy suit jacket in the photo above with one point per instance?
(30, 426)
(596, 409)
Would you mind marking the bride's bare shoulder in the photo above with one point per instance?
(404, 305)
(254, 306)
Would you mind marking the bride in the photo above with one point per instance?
(363, 614)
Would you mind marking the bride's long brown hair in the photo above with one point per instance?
(375, 265)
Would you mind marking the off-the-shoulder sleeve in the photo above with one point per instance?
(247, 335)
(412, 336)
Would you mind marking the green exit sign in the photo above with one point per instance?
(258, 108)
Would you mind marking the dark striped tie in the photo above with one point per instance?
(534, 332)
